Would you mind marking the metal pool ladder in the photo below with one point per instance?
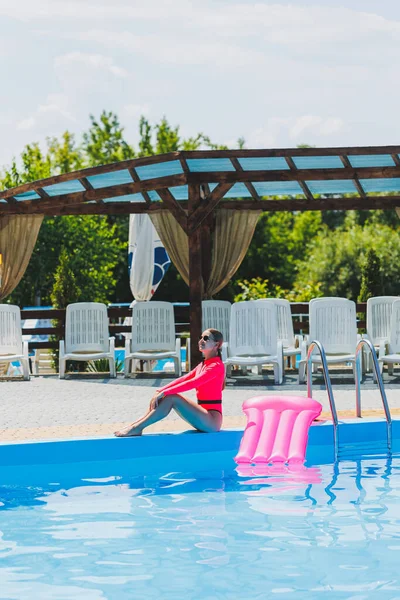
(368, 343)
(317, 345)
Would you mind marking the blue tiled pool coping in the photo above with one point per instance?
(364, 436)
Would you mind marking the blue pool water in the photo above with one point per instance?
(111, 530)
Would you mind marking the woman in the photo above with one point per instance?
(208, 378)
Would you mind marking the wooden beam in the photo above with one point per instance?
(88, 186)
(306, 190)
(250, 187)
(86, 183)
(284, 204)
(184, 165)
(299, 175)
(396, 159)
(94, 208)
(195, 279)
(347, 164)
(205, 190)
(42, 194)
(282, 152)
(207, 206)
(175, 208)
(303, 204)
(135, 177)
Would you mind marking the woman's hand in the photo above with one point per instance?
(155, 400)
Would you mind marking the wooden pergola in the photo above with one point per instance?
(191, 185)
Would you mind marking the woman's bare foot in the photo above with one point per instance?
(129, 431)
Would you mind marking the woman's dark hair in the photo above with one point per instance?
(218, 337)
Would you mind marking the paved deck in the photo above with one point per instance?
(49, 408)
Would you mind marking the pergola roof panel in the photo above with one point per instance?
(30, 195)
(154, 196)
(161, 169)
(340, 186)
(264, 163)
(209, 165)
(238, 190)
(380, 185)
(318, 162)
(104, 180)
(66, 187)
(278, 188)
(354, 177)
(179, 192)
(373, 160)
(126, 198)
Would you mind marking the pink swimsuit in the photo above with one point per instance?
(207, 378)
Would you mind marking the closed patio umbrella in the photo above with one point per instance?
(148, 259)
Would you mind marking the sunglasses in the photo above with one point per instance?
(206, 338)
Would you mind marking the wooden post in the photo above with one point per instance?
(195, 278)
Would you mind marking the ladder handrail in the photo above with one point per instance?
(315, 344)
(368, 343)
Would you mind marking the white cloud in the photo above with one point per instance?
(331, 125)
(288, 24)
(48, 114)
(90, 61)
(56, 104)
(231, 34)
(173, 49)
(133, 111)
(303, 123)
(277, 129)
(304, 22)
(283, 23)
(25, 124)
(40, 10)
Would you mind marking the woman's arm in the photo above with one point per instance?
(178, 381)
(208, 373)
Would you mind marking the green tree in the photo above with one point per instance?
(371, 277)
(65, 288)
(278, 245)
(145, 133)
(65, 291)
(64, 155)
(335, 259)
(257, 289)
(167, 137)
(93, 252)
(104, 142)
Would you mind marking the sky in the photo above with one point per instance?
(276, 73)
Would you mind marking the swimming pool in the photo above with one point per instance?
(123, 529)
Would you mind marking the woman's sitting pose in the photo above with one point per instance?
(208, 378)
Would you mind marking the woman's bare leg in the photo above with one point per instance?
(191, 412)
